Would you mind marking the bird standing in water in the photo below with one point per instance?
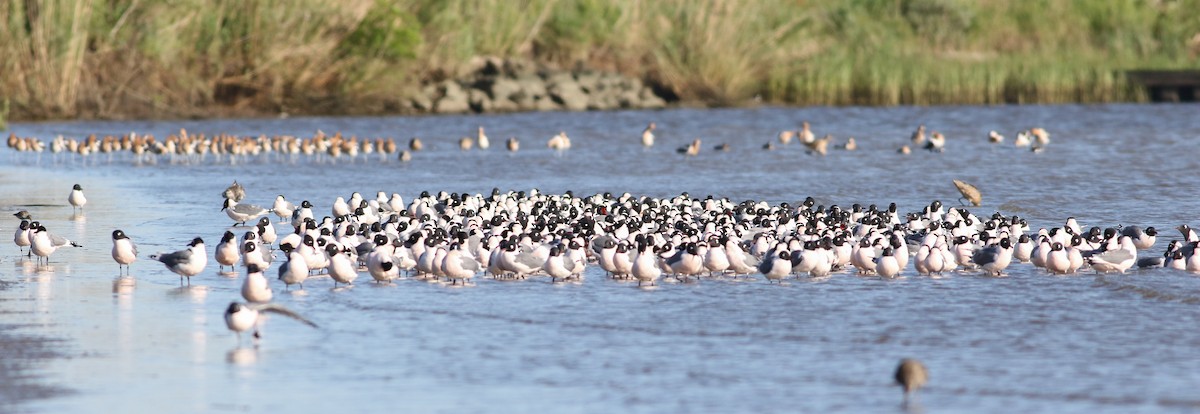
(911, 375)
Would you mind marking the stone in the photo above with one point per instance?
(569, 95)
(479, 100)
(454, 100)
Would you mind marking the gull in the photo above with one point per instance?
(341, 268)
(43, 244)
(558, 268)
(23, 235)
(187, 262)
(283, 208)
(1142, 239)
(1115, 260)
(241, 317)
(911, 375)
(252, 254)
(459, 267)
(886, 264)
(227, 251)
(241, 213)
(124, 251)
(76, 198)
(645, 265)
(294, 271)
(995, 137)
(255, 288)
(776, 266)
(995, 258)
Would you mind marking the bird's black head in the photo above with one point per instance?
(234, 307)
(253, 268)
(196, 241)
(77, 187)
(227, 236)
(117, 235)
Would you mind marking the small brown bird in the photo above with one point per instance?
(415, 144)
(911, 375)
(512, 144)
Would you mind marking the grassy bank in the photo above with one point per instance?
(188, 58)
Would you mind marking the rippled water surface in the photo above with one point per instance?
(1025, 342)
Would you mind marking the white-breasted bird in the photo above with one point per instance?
(256, 288)
(241, 213)
(241, 317)
(187, 262)
(43, 244)
(227, 252)
(76, 198)
(124, 251)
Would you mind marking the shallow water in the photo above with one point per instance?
(1026, 342)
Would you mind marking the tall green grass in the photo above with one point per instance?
(186, 58)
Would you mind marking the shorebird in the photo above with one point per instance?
(648, 135)
(911, 375)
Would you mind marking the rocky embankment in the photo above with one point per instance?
(510, 86)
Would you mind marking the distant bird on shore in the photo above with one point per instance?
(819, 146)
(918, 136)
(559, 142)
(1022, 139)
(405, 156)
(415, 144)
(482, 139)
(76, 198)
(691, 149)
(465, 143)
(187, 262)
(241, 317)
(995, 137)
(512, 144)
(23, 215)
(785, 137)
(850, 144)
(936, 143)
(805, 134)
(911, 375)
(124, 251)
(648, 135)
(904, 149)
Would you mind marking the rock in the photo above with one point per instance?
(454, 100)
(479, 100)
(504, 88)
(502, 85)
(568, 94)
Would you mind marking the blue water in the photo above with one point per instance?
(1026, 342)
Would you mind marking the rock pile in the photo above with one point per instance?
(508, 86)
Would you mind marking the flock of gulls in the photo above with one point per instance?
(453, 238)
(185, 147)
